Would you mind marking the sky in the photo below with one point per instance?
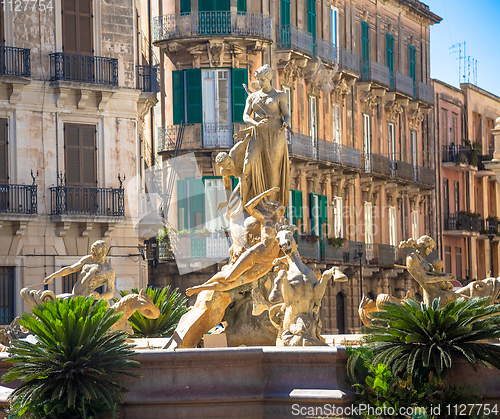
(478, 24)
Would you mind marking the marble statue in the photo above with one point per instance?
(131, 303)
(266, 164)
(297, 296)
(95, 271)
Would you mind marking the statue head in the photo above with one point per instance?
(425, 244)
(99, 249)
(286, 241)
(263, 74)
(224, 160)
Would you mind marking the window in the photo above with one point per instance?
(295, 210)
(458, 262)
(368, 211)
(68, 282)
(414, 154)
(215, 193)
(241, 5)
(288, 93)
(7, 296)
(389, 48)
(313, 122)
(190, 204)
(365, 42)
(185, 6)
(338, 217)
(340, 303)
(77, 26)
(415, 233)
(367, 141)
(456, 196)
(411, 68)
(80, 155)
(4, 152)
(318, 213)
(444, 127)
(334, 25)
(196, 100)
(447, 258)
(337, 128)
(446, 196)
(216, 110)
(391, 139)
(393, 238)
(213, 5)
(311, 17)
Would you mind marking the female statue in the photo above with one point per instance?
(266, 163)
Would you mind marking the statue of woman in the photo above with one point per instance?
(266, 163)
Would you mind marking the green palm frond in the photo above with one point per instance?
(75, 363)
(172, 307)
(422, 339)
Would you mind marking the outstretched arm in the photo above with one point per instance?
(76, 267)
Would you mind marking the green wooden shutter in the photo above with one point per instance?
(178, 96)
(389, 44)
(239, 76)
(182, 204)
(411, 53)
(311, 17)
(196, 202)
(206, 5)
(297, 202)
(285, 12)
(242, 5)
(365, 41)
(222, 5)
(323, 210)
(185, 6)
(193, 96)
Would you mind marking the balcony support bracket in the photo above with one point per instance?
(84, 95)
(85, 229)
(62, 228)
(20, 227)
(107, 229)
(61, 96)
(105, 96)
(15, 94)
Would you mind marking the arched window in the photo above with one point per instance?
(341, 313)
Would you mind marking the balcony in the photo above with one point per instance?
(328, 52)
(351, 157)
(329, 151)
(461, 223)
(457, 157)
(334, 253)
(83, 69)
(197, 25)
(18, 199)
(294, 39)
(377, 164)
(402, 170)
(309, 249)
(377, 73)
(80, 201)
(192, 245)
(424, 93)
(401, 83)
(15, 62)
(352, 249)
(349, 62)
(303, 145)
(147, 79)
(426, 176)
(381, 254)
(197, 136)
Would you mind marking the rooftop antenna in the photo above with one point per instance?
(467, 66)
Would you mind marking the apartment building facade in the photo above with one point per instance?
(76, 90)
(467, 192)
(357, 78)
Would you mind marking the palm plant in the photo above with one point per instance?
(172, 307)
(71, 371)
(420, 339)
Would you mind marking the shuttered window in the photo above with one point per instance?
(411, 53)
(242, 5)
(365, 41)
(389, 42)
(7, 296)
(190, 204)
(77, 26)
(193, 96)
(80, 155)
(4, 154)
(285, 12)
(311, 17)
(178, 96)
(318, 212)
(69, 281)
(185, 6)
(213, 5)
(2, 26)
(239, 76)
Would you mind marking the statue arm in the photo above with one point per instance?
(250, 206)
(284, 109)
(76, 267)
(247, 118)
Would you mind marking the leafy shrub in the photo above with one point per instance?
(172, 307)
(71, 371)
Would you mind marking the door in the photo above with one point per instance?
(217, 130)
(215, 17)
(313, 124)
(414, 154)
(365, 49)
(368, 230)
(389, 42)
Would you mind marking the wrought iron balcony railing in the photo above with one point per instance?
(195, 246)
(381, 254)
(73, 200)
(457, 154)
(426, 176)
(402, 84)
(377, 164)
(83, 68)
(292, 38)
(349, 61)
(15, 61)
(402, 170)
(329, 151)
(328, 52)
(215, 23)
(18, 199)
(147, 78)
(462, 222)
(198, 136)
(424, 93)
(376, 72)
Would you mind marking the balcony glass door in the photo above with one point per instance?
(216, 114)
(215, 18)
(365, 49)
(414, 154)
(367, 142)
(313, 124)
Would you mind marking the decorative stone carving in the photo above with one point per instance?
(131, 303)
(340, 91)
(291, 71)
(393, 110)
(368, 101)
(215, 49)
(497, 123)
(415, 118)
